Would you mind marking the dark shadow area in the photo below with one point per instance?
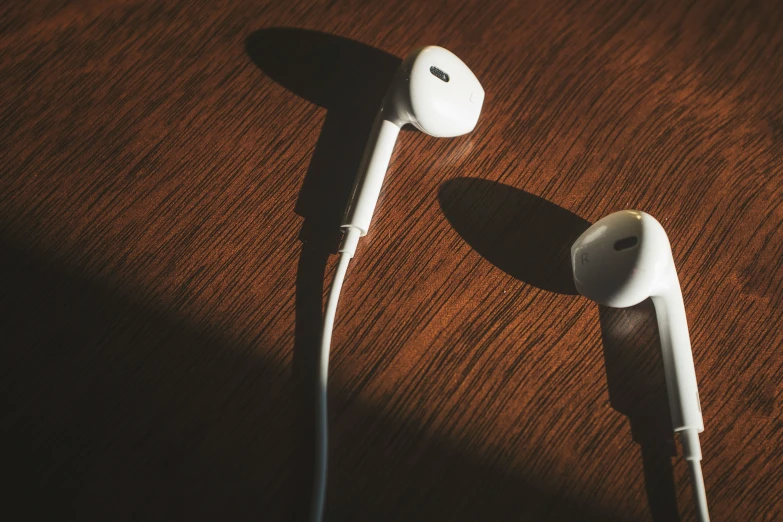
(524, 235)
(349, 80)
(637, 389)
(530, 239)
(115, 410)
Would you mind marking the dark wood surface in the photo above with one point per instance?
(173, 174)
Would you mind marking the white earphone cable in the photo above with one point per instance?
(699, 492)
(691, 450)
(347, 250)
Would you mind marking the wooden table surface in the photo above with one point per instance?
(173, 177)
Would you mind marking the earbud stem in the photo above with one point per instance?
(369, 179)
(678, 358)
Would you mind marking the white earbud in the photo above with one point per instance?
(432, 90)
(622, 260)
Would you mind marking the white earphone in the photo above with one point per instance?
(434, 91)
(619, 262)
(438, 94)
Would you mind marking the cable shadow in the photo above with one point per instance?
(637, 389)
(530, 239)
(349, 80)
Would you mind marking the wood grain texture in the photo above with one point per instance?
(172, 174)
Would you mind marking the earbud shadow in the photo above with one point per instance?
(524, 235)
(530, 239)
(349, 80)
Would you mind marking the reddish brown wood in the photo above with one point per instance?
(172, 178)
